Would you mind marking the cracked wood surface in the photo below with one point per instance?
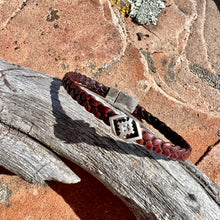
(39, 121)
(31, 160)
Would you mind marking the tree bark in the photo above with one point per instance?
(39, 122)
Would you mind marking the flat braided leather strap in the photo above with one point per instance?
(179, 149)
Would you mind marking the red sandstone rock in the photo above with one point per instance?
(211, 163)
(88, 199)
(162, 65)
(54, 37)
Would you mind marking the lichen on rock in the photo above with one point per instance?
(143, 11)
(146, 11)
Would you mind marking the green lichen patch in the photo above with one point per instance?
(5, 193)
(151, 64)
(146, 11)
(143, 11)
(212, 79)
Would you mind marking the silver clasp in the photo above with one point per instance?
(121, 100)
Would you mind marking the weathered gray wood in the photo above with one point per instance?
(153, 187)
(31, 160)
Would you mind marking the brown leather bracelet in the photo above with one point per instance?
(122, 125)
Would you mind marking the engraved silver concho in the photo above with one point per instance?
(125, 127)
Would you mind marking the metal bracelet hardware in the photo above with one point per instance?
(121, 100)
(122, 125)
(125, 127)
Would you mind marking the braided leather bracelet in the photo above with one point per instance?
(123, 126)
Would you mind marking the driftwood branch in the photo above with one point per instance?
(39, 121)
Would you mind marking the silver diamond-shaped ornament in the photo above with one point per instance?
(125, 127)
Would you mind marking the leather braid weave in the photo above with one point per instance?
(161, 147)
(88, 101)
(175, 138)
(89, 83)
(70, 83)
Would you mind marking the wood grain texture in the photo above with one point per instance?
(39, 111)
(31, 160)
